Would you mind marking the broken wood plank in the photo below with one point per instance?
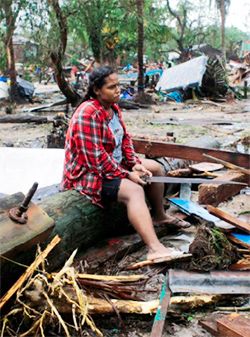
(16, 238)
(161, 149)
(238, 242)
(29, 271)
(165, 259)
(243, 264)
(229, 218)
(210, 194)
(210, 326)
(162, 309)
(233, 325)
(228, 165)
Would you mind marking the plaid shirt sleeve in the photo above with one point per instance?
(89, 138)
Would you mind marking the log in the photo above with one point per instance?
(24, 119)
(101, 306)
(215, 194)
(80, 224)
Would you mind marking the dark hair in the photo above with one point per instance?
(97, 80)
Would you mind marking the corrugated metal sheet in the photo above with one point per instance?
(215, 282)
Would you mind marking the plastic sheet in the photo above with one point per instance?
(184, 75)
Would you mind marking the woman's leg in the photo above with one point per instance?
(155, 194)
(132, 195)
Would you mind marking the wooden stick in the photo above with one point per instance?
(228, 165)
(162, 309)
(114, 278)
(159, 260)
(40, 258)
(245, 227)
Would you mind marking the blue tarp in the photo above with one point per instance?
(191, 208)
(133, 76)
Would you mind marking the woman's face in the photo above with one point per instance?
(110, 92)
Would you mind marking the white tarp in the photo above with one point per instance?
(21, 167)
(183, 75)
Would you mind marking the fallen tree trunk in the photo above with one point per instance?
(79, 223)
(102, 306)
(24, 119)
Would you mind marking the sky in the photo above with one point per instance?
(239, 15)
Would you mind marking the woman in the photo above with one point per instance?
(100, 161)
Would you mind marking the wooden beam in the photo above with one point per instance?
(16, 238)
(162, 149)
(238, 242)
(228, 165)
(162, 309)
(210, 194)
(229, 218)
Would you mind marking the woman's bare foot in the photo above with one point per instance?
(163, 252)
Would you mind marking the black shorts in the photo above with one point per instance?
(110, 189)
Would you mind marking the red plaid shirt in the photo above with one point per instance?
(88, 151)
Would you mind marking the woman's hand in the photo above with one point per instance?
(135, 176)
(139, 168)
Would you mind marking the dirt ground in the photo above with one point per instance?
(228, 124)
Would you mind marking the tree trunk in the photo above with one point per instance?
(10, 28)
(96, 44)
(140, 34)
(71, 95)
(57, 56)
(223, 19)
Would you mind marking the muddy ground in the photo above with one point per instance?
(228, 124)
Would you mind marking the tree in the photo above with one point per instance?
(140, 37)
(96, 18)
(223, 6)
(58, 54)
(187, 32)
(9, 11)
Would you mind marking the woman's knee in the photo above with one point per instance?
(130, 191)
(153, 166)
